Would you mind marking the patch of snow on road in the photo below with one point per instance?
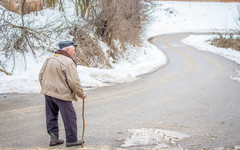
(237, 77)
(228, 148)
(236, 147)
(154, 139)
(203, 42)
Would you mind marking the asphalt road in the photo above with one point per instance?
(192, 94)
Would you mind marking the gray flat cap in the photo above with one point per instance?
(63, 44)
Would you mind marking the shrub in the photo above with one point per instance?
(113, 20)
(227, 41)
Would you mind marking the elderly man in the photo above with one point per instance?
(60, 84)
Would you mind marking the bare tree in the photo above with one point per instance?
(19, 35)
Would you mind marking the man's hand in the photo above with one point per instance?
(84, 96)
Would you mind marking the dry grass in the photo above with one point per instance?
(121, 20)
(227, 42)
(89, 53)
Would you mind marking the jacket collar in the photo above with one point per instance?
(64, 53)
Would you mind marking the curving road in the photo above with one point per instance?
(192, 94)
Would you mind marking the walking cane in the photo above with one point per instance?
(83, 122)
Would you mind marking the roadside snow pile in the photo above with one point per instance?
(24, 80)
(154, 139)
(202, 42)
(137, 61)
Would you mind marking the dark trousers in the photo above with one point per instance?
(53, 105)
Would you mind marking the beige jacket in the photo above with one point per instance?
(59, 79)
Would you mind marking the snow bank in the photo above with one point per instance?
(25, 78)
(137, 61)
(203, 42)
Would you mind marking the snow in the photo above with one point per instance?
(168, 17)
(202, 42)
(226, 148)
(22, 81)
(175, 17)
(134, 63)
(154, 139)
(237, 77)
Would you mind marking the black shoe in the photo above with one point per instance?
(54, 140)
(79, 142)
